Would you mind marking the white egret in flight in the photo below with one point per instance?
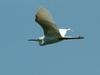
(52, 33)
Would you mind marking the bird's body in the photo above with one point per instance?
(52, 33)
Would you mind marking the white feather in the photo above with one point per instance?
(63, 31)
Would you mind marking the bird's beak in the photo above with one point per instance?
(33, 39)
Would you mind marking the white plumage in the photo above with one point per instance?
(52, 33)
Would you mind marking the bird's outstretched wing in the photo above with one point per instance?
(44, 18)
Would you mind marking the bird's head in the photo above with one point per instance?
(40, 41)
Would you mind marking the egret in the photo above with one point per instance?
(52, 33)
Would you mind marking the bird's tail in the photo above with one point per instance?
(63, 32)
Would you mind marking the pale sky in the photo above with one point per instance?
(73, 57)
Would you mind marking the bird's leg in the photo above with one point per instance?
(78, 37)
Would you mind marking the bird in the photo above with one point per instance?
(52, 33)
